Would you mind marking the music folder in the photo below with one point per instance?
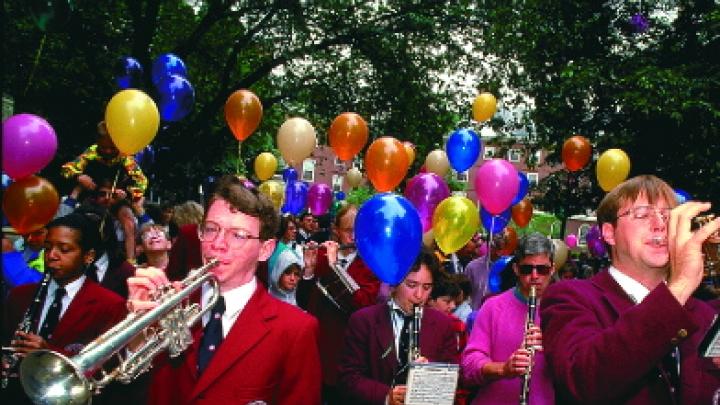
(710, 345)
(431, 384)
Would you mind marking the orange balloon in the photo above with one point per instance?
(386, 163)
(509, 242)
(30, 203)
(576, 152)
(243, 112)
(348, 134)
(522, 213)
(410, 149)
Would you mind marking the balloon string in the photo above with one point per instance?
(490, 246)
(237, 168)
(112, 192)
(35, 64)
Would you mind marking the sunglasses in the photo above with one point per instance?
(527, 269)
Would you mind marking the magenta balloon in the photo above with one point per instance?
(496, 185)
(28, 145)
(319, 198)
(425, 191)
(571, 240)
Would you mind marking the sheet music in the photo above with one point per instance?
(431, 384)
(710, 346)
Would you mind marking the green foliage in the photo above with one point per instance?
(358, 195)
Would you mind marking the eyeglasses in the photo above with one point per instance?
(642, 212)
(527, 269)
(158, 234)
(209, 232)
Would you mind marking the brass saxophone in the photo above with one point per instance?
(529, 323)
(10, 359)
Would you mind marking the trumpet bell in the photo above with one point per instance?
(52, 378)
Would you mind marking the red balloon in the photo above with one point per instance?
(386, 163)
(243, 112)
(30, 203)
(522, 213)
(347, 135)
(576, 153)
(509, 242)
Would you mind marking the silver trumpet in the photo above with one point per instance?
(52, 378)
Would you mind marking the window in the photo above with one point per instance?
(339, 162)
(582, 234)
(337, 182)
(532, 179)
(514, 155)
(489, 152)
(461, 176)
(308, 172)
(538, 157)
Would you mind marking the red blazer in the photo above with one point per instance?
(368, 361)
(270, 355)
(115, 278)
(332, 321)
(601, 348)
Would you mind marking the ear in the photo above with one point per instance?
(608, 233)
(89, 257)
(516, 270)
(266, 249)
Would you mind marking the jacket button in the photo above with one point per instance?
(682, 333)
(674, 341)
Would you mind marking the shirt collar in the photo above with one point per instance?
(634, 289)
(235, 299)
(71, 289)
(348, 257)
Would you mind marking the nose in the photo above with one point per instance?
(219, 242)
(659, 220)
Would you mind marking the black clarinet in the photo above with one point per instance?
(529, 322)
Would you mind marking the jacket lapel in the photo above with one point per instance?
(386, 338)
(615, 296)
(80, 305)
(427, 328)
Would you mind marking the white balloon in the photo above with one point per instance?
(296, 140)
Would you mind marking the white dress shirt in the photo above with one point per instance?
(71, 291)
(235, 301)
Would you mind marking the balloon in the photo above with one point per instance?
(265, 166)
(596, 248)
(455, 221)
(165, 65)
(275, 191)
(132, 119)
(319, 199)
(509, 242)
(28, 145)
(576, 153)
(494, 223)
(388, 235)
(129, 73)
(296, 194)
(571, 240)
(296, 140)
(463, 148)
(522, 213)
(425, 191)
(495, 278)
(51, 15)
(612, 168)
(561, 253)
(30, 203)
(410, 149)
(428, 239)
(336, 205)
(353, 177)
(290, 174)
(437, 162)
(386, 163)
(484, 107)
(243, 112)
(339, 195)
(496, 184)
(682, 196)
(177, 98)
(146, 157)
(347, 135)
(523, 185)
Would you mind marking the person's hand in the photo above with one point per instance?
(86, 181)
(138, 205)
(331, 247)
(396, 396)
(685, 249)
(533, 337)
(120, 194)
(25, 343)
(310, 252)
(517, 364)
(143, 288)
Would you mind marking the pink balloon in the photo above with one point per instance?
(496, 184)
(425, 191)
(28, 145)
(571, 240)
(319, 198)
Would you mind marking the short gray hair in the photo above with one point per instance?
(534, 243)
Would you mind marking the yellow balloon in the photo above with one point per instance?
(353, 177)
(296, 140)
(561, 253)
(274, 190)
(484, 107)
(437, 162)
(132, 119)
(612, 168)
(455, 221)
(265, 165)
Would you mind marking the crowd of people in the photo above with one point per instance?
(301, 319)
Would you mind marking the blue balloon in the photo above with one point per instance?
(494, 223)
(339, 195)
(177, 98)
(146, 157)
(289, 175)
(495, 276)
(295, 197)
(165, 65)
(682, 196)
(128, 73)
(463, 149)
(523, 185)
(388, 235)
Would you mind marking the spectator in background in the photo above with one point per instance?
(154, 245)
(189, 212)
(285, 276)
(306, 229)
(463, 302)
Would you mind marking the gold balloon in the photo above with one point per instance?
(455, 221)
(265, 165)
(437, 162)
(296, 140)
(353, 177)
(612, 168)
(132, 120)
(484, 107)
(561, 253)
(275, 191)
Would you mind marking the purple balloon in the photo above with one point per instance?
(319, 198)
(496, 185)
(28, 145)
(425, 191)
(593, 234)
(596, 248)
